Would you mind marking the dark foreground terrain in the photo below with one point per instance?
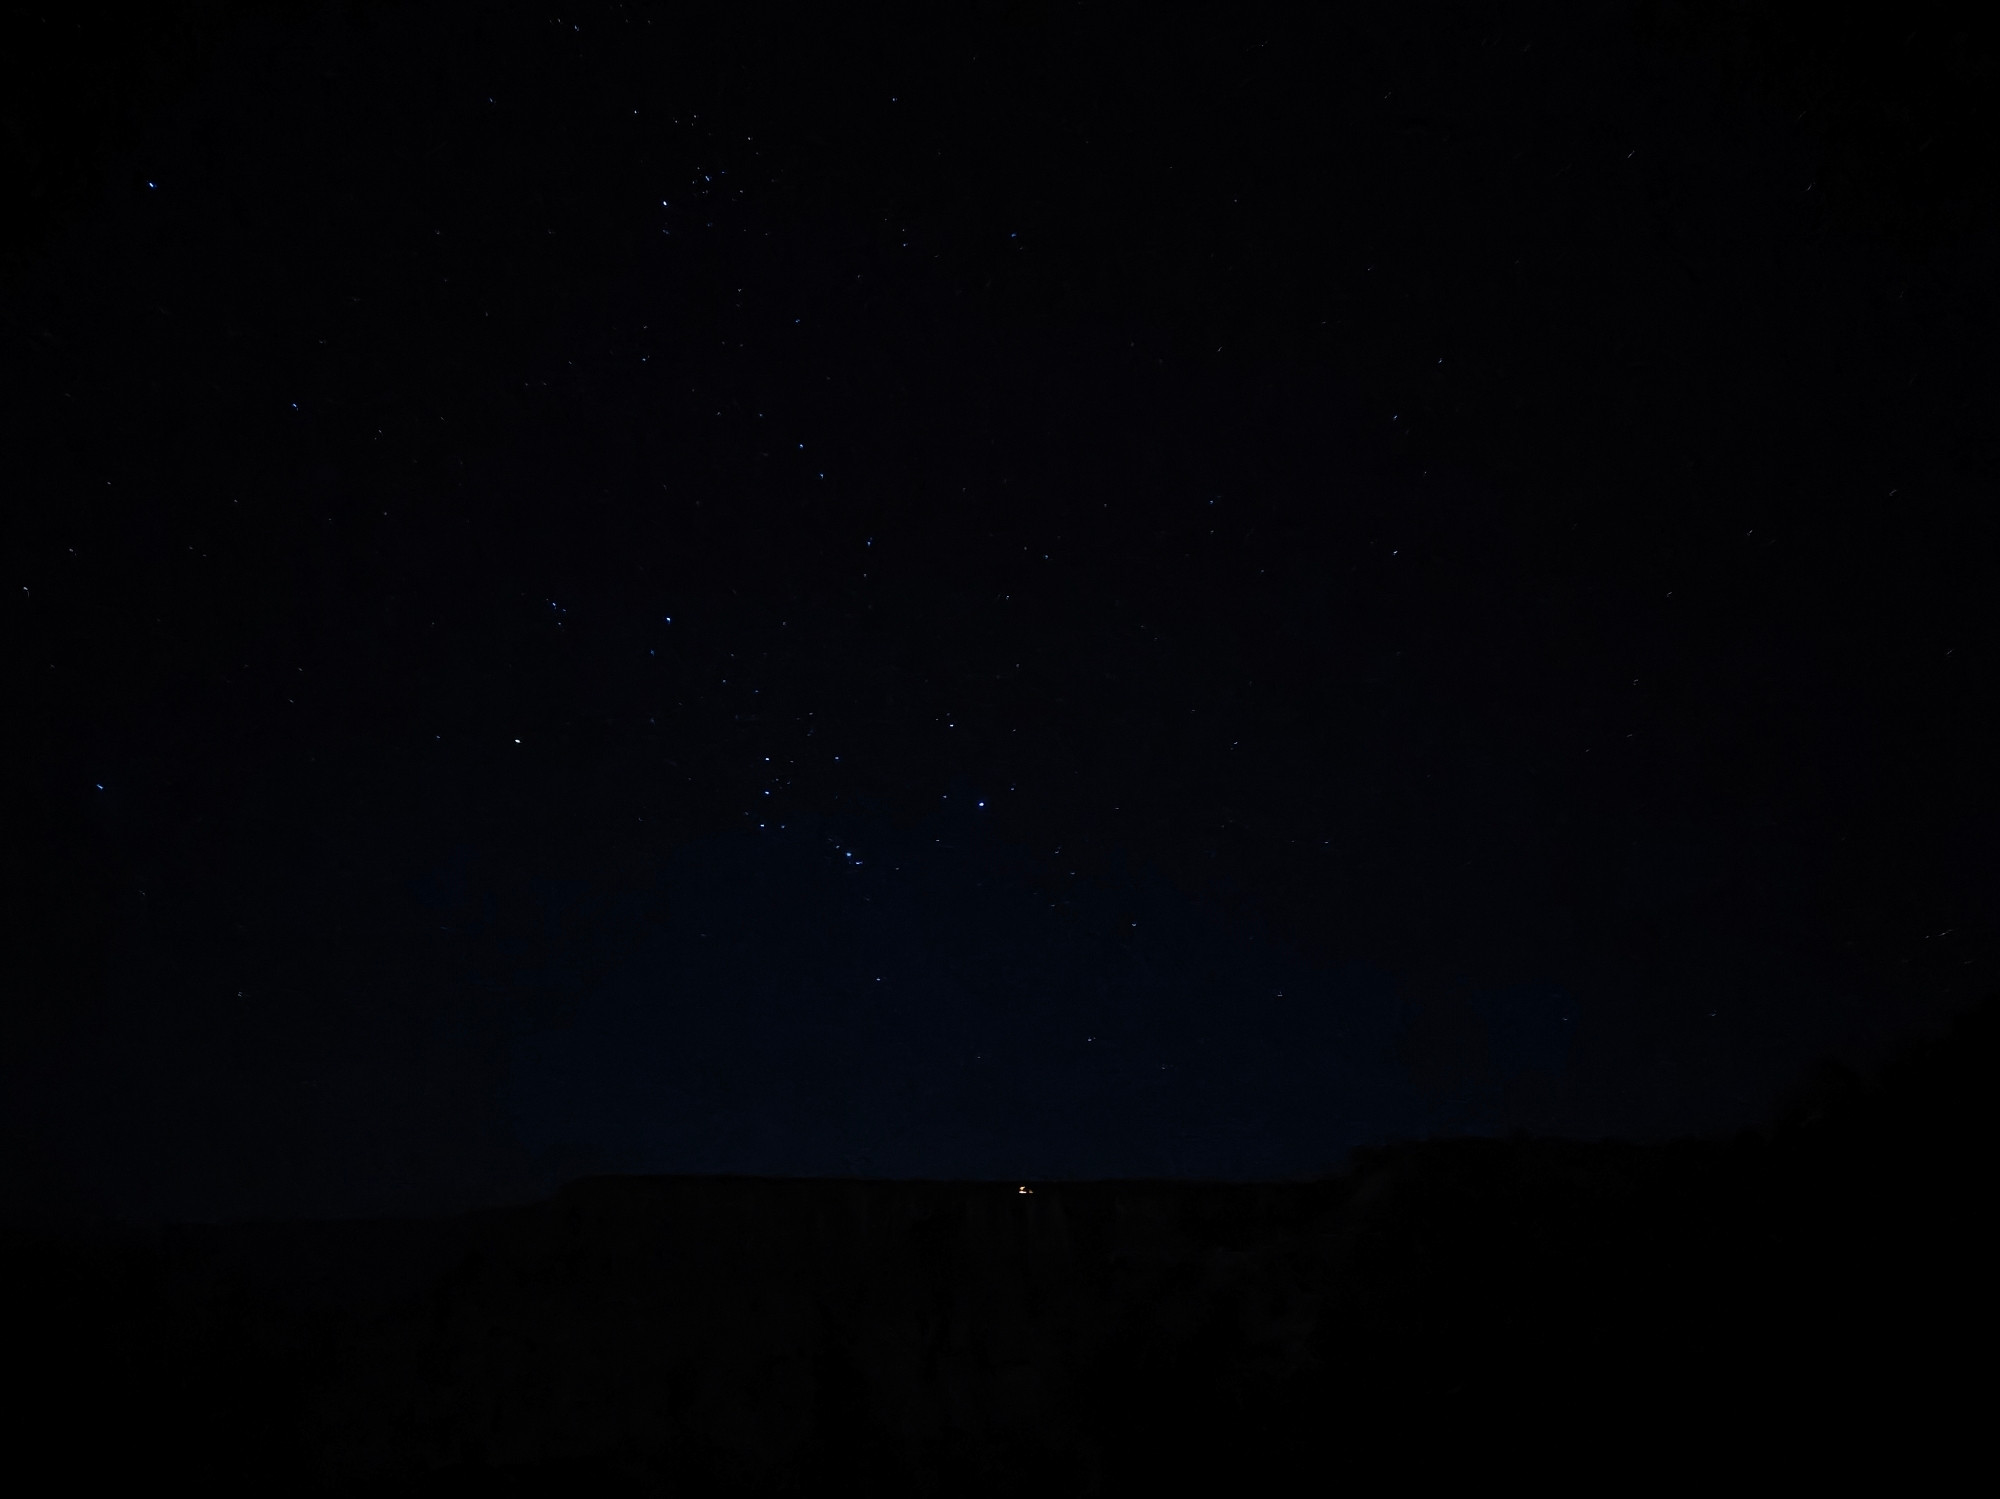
(1809, 1301)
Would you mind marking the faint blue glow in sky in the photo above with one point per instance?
(948, 1010)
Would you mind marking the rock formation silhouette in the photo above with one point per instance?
(1811, 1294)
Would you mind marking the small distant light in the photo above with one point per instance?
(100, 785)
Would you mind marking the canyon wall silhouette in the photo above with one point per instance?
(1811, 1296)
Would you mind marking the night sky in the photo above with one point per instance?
(1021, 591)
